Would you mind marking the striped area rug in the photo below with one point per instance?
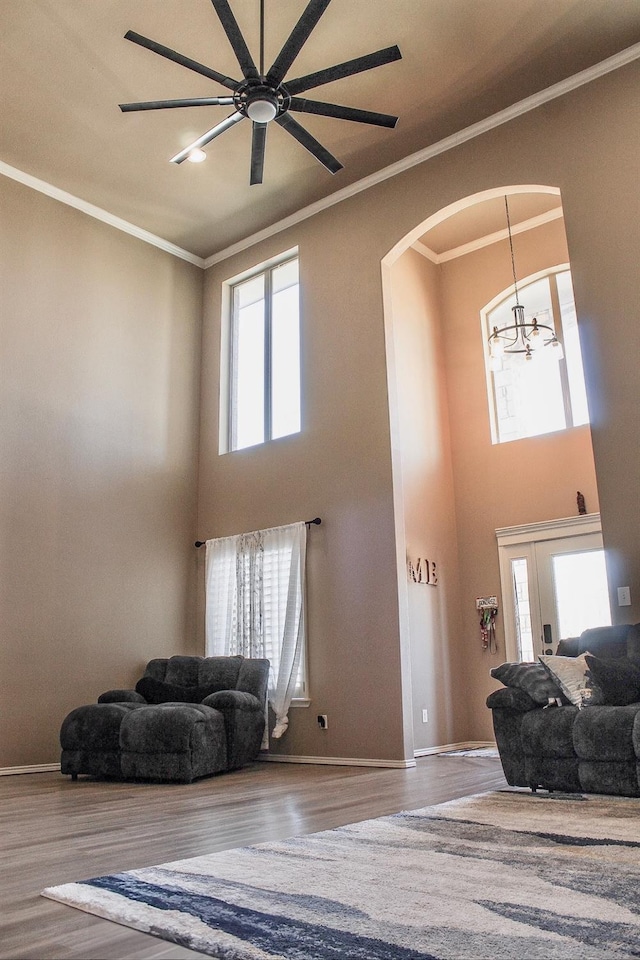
(500, 875)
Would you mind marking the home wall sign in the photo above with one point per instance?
(423, 571)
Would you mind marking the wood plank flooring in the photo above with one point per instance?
(55, 831)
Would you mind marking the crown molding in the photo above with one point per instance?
(98, 213)
(425, 251)
(518, 109)
(490, 238)
(499, 235)
(620, 59)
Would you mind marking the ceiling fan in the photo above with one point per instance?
(262, 97)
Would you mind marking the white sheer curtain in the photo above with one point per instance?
(255, 605)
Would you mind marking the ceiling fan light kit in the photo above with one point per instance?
(264, 97)
(262, 107)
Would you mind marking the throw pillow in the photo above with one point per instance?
(530, 677)
(159, 691)
(618, 679)
(572, 675)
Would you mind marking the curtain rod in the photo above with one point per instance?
(316, 520)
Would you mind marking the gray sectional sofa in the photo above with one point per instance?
(589, 745)
(188, 717)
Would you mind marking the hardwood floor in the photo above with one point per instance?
(55, 831)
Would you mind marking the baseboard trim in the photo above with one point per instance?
(29, 768)
(281, 758)
(338, 761)
(446, 747)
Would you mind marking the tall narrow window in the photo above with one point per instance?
(530, 397)
(264, 401)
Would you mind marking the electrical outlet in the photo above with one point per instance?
(425, 716)
(323, 721)
(624, 597)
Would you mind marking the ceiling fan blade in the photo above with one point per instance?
(298, 36)
(168, 104)
(307, 140)
(258, 144)
(234, 35)
(163, 51)
(342, 113)
(346, 69)
(208, 136)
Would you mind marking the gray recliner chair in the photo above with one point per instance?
(188, 717)
(592, 749)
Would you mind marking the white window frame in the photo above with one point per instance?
(550, 273)
(228, 352)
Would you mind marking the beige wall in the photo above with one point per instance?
(586, 144)
(420, 418)
(498, 485)
(337, 468)
(605, 272)
(98, 431)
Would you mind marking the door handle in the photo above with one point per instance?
(547, 638)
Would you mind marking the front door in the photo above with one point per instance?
(553, 586)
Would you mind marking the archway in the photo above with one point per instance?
(452, 486)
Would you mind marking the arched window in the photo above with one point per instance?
(540, 394)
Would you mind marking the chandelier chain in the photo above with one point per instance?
(513, 261)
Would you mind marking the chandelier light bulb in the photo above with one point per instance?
(196, 155)
(496, 346)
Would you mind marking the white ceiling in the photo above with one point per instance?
(65, 67)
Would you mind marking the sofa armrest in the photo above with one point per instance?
(233, 700)
(511, 698)
(244, 724)
(121, 696)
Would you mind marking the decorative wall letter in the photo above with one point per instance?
(423, 571)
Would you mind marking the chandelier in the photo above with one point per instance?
(522, 336)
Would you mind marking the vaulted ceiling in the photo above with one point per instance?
(65, 67)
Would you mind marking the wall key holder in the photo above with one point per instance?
(488, 607)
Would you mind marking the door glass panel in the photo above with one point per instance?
(580, 586)
(522, 605)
